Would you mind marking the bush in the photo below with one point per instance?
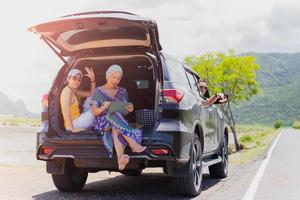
(296, 124)
(246, 139)
(278, 124)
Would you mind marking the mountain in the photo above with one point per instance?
(9, 107)
(279, 97)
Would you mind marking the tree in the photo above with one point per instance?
(228, 73)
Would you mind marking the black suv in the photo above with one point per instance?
(182, 136)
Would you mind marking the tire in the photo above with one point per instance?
(72, 180)
(191, 185)
(132, 172)
(220, 170)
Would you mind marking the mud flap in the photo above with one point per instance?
(180, 169)
(56, 166)
(175, 169)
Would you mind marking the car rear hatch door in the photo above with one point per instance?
(90, 31)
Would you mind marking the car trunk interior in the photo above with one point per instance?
(139, 80)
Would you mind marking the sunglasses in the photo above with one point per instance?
(203, 87)
(75, 78)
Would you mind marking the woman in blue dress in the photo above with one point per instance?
(116, 131)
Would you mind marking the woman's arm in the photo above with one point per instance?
(212, 100)
(97, 111)
(65, 101)
(219, 96)
(91, 75)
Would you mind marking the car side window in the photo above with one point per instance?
(193, 83)
(174, 71)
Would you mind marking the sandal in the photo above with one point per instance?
(123, 162)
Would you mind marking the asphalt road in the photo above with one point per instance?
(31, 182)
(22, 177)
(281, 178)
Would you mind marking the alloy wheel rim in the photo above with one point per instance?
(197, 166)
(225, 156)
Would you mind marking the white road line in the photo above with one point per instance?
(249, 195)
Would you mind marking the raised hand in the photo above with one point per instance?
(223, 98)
(221, 95)
(90, 73)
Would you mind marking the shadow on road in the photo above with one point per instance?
(146, 186)
(208, 182)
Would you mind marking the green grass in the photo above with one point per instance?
(255, 139)
(246, 138)
(296, 124)
(19, 121)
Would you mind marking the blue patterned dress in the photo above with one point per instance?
(105, 122)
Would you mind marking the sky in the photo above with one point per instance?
(186, 27)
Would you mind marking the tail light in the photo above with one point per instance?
(173, 95)
(47, 150)
(160, 151)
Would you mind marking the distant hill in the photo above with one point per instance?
(9, 107)
(279, 98)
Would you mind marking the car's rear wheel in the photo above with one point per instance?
(132, 172)
(191, 185)
(220, 170)
(72, 180)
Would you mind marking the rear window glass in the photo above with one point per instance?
(142, 84)
(174, 71)
(193, 83)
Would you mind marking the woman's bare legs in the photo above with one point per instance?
(123, 159)
(135, 147)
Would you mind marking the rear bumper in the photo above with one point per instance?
(96, 152)
(90, 146)
(91, 153)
